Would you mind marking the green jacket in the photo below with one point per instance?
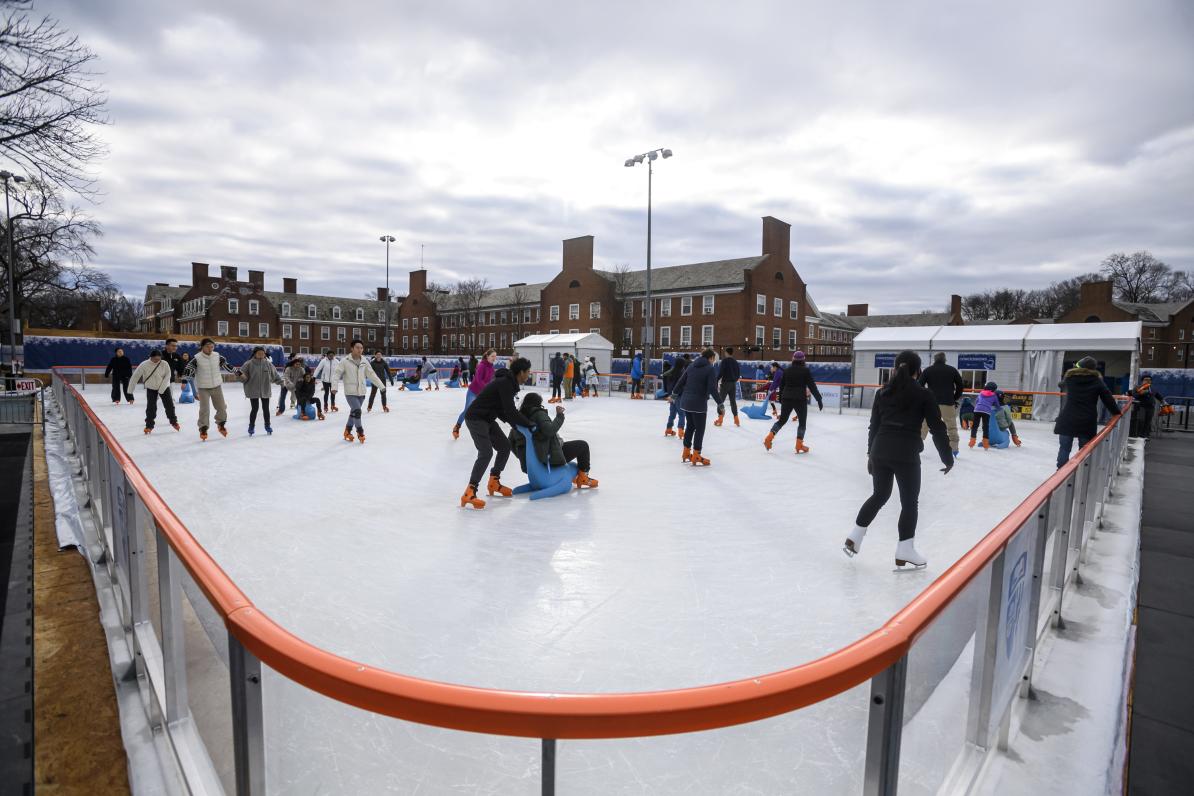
(547, 439)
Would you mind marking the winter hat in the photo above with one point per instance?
(1090, 363)
(533, 401)
(798, 356)
(992, 386)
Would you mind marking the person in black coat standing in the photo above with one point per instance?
(945, 383)
(382, 368)
(494, 402)
(794, 387)
(120, 369)
(893, 454)
(1084, 388)
(174, 359)
(557, 377)
(727, 386)
(696, 386)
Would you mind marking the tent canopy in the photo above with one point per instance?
(1084, 336)
(538, 348)
(1010, 337)
(985, 338)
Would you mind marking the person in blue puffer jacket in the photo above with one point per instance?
(694, 389)
(984, 410)
(636, 376)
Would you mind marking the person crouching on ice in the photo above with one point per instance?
(984, 411)
(549, 448)
(696, 386)
(495, 401)
(1003, 418)
(157, 375)
(352, 372)
(893, 454)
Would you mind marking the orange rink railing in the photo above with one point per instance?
(1063, 508)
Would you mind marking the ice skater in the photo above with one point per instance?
(636, 376)
(670, 378)
(259, 375)
(727, 386)
(696, 386)
(945, 382)
(548, 447)
(120, 369)
(382, 375)
(464, 374)
(174, 359)
(1084, 388)
(984, 410)
(157, 375)
(495, 401)
(323, 374)
(569, 375)
(304, 396)
(206, 372)
(430, 373)
(588, 374)
(291, 376)
(556, 370)
(796, 385)
(777, 379)
(351, 372)
(893, 454)
(482, 375)
(966, 412)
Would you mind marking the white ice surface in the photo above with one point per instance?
(665, 576)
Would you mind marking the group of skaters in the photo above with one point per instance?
(571, 376)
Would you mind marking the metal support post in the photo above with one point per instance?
(1061, 547)
(248, 723)
(174, 652)
(548, 774)
(885, 726)
(1040, 542)
(986, 647)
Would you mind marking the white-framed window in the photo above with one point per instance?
(335, 313)
(453, 339)
(686, 337)
(777, 307)
(287, 330)
(285, 309)
(775, 333)
(1151, 353)
(574, 312)
(574, 331)
(340, 351)
(426, 322)
(594, 309)
(686, 305)
(759, 332)
(372, 335)
(405, 324)
(503, 337)
(1151, 332)
(310, 310)
(360, 314)
(627, 336)
(304, 332)
(222, 328)
(707, 304)
(424, 342)
(242, 329)
(554, 331)
(381, 316)
(665, 308)
(1181, 354)
(791, 339)
(665, 335)
(628, 309)
(812, 330)
(254, 306)
(405, 342)
(263, 330)
(707, 334)
(325, 333)
(794, 310)
(304, 349)
(760, 304)
(493, 339)
(594, 331)
(526, 316)
(1181, 334)
(502, 317)
(493, 319)
(341, 333)
(233, 306)
(553, 312)
(356, 333)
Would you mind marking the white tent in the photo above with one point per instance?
(539, 348)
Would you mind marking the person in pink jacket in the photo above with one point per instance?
(483, 376)
(984, 413)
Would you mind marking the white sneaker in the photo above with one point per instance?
(853, 545)
(906, 554)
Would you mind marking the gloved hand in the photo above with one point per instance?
(820, 406)
(948, 466)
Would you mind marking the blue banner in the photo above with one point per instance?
(885, 360)
(976, 362)
(43, 353)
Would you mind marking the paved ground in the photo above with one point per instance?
(1163, 700)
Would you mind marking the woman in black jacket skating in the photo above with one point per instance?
(893, 454)
(795, 385)
(120, 368)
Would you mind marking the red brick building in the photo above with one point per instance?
(1167, 336)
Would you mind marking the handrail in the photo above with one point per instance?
(575, 715)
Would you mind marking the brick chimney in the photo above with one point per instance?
(198, 273)
(858, 309)
(418, 281)
(289, 284)
(955, 310)
(578, 254)
(777, 238)
(383, 294)
(1095, 293)
(162, 284)
(228, 273)
(257, 279)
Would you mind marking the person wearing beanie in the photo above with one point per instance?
(1004, 419)
(945, 382)
(670, 377)
(1084, 389)
(795, 386)
(157, 375)
(120, 368)
(696, 386)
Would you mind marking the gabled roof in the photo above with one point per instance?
(496, 298)
(911, 319)
(693, 276)
(1153, 313)
(175, 294)
(323, 306)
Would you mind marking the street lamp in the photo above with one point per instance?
(12, 265)
(387, 240)
(650, 158)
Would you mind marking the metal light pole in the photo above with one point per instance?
(12, 267)
(387, 240)
(650, 158)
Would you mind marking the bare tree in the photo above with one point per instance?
(1142, 278)
(519, 296)
(122, 313)
(467, 297)
(621, 280)
(50, 100)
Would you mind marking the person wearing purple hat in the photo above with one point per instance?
(795, 386)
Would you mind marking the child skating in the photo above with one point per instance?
(966, 412)
(984, 409)
(1003, 418)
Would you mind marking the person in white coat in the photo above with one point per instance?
(207, 371)
(324, 374)
(352, 372)
(157, 374)
(430, 372)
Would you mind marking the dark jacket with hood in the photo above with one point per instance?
(304, 391)
(729, 370)
(894, 433)
(382, 369)
(497, 401)
(796, 380)
(673, 373)
(546, 437)
(175, 362)
(1079, 416)
(696, 386)
(557, 367)
(944, 381)
(121, 367)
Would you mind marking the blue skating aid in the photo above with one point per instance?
(311, 414)
(186, 396)
(414, 387)
(660, 394)
(998, 436)
(757, 411)
(545, 480)
(454, 383)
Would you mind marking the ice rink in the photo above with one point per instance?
(666, 576)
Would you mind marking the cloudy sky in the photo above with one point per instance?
(917, 149)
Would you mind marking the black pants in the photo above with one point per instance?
(120, 383)
(577, 449)
(303, 403)
(555, 386)
(981, 419)
(487, 438)
(373, 394)
(282, 400)
(151, 406)
(694, 432)
(327, 390)
(256, 404)
(907, 477)
(724, 389)
(636, 386)
(786, 408)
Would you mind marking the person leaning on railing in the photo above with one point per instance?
(1084, 388)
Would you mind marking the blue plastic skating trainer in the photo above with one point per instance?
(545, 481)
(454, 383)
(187, 396)
(756, 411)
(998, 437)
(310, 413)
(414, 387)
(660, 394)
